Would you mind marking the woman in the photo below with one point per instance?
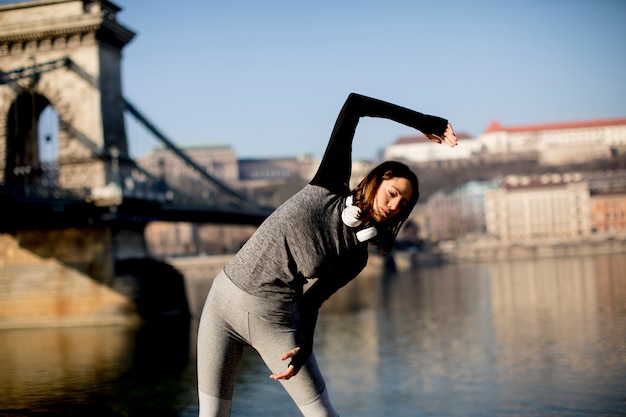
(321, 232)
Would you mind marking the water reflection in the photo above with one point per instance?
(53, 362)
(103, 371)
(560, 329)
(524, 338)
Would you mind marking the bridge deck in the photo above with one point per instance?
(23, 209)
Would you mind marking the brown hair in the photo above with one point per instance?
(365, 193)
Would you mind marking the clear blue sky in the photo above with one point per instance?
(269, 77)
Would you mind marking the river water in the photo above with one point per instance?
(520, 338)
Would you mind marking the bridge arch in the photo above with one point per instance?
(23, 161)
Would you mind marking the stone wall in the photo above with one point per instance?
(88, 251)
(37, 291)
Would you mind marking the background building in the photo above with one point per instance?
(538, 207)
(218, 160)
(558, 143)
(608, 212)
(459, 212)
(608, 201)
(548, 144)
(419, 149)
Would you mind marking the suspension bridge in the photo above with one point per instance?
(31, 195)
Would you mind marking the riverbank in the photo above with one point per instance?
(547, 248)
(490, 251)
(484, 250)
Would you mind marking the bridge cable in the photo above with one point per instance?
(7, 77)
(170, 145)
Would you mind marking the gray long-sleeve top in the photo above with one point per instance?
(305, 237)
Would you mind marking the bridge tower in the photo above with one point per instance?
(60, 257)
(66, 54)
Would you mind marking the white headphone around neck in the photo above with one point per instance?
(350, 217)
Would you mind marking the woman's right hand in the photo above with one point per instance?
(448, 136)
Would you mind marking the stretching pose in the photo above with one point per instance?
(321, 232)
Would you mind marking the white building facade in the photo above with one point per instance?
(421, 149)
(558, 143)
(539, 207)
(553, 144)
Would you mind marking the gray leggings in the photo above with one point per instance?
(232, 319)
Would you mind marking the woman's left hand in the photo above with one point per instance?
(291, 370)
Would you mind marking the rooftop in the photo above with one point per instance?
(497, 127)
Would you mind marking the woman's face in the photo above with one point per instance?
(391, 197)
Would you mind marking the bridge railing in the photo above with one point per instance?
(42, 192)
